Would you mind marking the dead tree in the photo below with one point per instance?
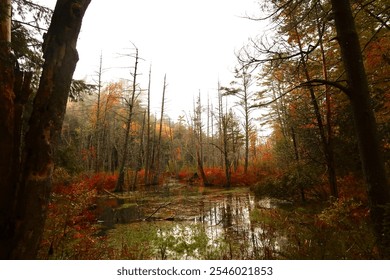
(131, 102)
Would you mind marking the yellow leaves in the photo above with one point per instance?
(109, 99)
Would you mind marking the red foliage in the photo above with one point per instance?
(96, 182)
(183, 175)
(141, 175)
(239, 178)
(101, 181)
(71, 221)
(215, 176)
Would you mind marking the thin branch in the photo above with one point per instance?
(314, 82)
(161, 206)
(275, 99)
(320, 82)
(29, 24)
(277, 56)
(216, 146)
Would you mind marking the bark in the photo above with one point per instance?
(97, 125)
(297, 160)
(121, 177)
(28, 195)
(5, 22)
(203, 176)
(140, 153)
(7, 95)
(7, 126)
(156, 172)
(147, 149)
(365, 124)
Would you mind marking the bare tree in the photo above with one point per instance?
(158, 155)
(148, 144)
(97, 125)
(130, 103)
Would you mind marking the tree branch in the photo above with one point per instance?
(31, 25)
(161, 206)
(314, 82)
(320, 82)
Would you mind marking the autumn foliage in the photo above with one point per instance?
(216, 176)
(71, 228)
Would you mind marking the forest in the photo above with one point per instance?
(88, 171)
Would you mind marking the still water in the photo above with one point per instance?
(188, 222)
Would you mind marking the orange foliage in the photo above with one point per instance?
(109, 98)
(183, 174)
(215, 176)
(101, 181)
(351, 187)
(71, 222)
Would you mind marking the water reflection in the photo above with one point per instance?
(229, 219)
(214, 224)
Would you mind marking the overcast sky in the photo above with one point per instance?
(193, 42)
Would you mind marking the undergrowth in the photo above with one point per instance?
(315, 229)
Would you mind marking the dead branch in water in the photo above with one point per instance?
(117, 196)
(160, 207)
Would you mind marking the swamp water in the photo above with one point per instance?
(187, 222)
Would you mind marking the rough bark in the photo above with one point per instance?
(29, 191)
(365, 124)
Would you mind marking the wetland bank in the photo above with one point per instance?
(186, 221)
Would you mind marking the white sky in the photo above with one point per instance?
(193, 42)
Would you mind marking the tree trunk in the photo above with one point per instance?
(147, 149)
(156, 171)
(7, 126)
(328, 152)
(140, 153)
(97, 125)
(28, 194)
(121, 176)
(365, 124)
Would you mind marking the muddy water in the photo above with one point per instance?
(182, 222)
